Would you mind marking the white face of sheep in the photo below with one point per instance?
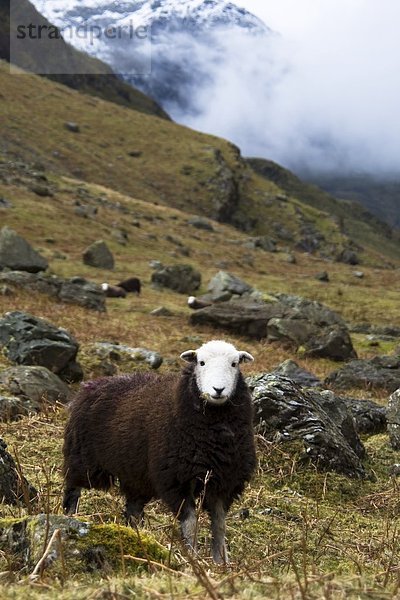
(216, 369)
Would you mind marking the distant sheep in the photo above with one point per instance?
(113, 291)
(131, 285)
(172, 437)
(195, 303)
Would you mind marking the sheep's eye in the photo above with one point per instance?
(202, 363)
(234, 364)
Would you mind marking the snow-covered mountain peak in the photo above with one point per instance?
(160, 15)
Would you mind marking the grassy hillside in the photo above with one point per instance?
(161, 162)
(308, 535)
(100, 80)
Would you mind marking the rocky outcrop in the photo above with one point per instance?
(224, 285)
(183, 279)
(14, 488)
(28, 340)
(286, 413)
(76, 290)
(76, 545)
(34, 385)
(16, 253)
(380, 372)
(98, 255)
(292, 320)
(293, 371)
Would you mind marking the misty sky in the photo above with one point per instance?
(325, 94)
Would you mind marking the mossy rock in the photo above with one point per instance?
(81, 546)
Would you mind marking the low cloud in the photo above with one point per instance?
(327, 103)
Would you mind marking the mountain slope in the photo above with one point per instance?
(161, 162)
(186, 38)
(84, 73)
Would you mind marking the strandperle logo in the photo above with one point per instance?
(83, 32)
(46, 49)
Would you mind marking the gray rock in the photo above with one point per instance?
(13, 489)
(35, 384)
(246, 319)
(284, 413)
(161, 311)
(78, 549)
(293, 371)
(349, 257)
(200, 223)
(98, 255)
(311, 310)
(156, 265)
(42, 190)
(180, 278)
(136, 355)
(381, 372)
(72, 126)
(393, 417)
(13, 408)
(369, 418)
(330, 342)
(29, 340)
(224, 282)
(358, 274)
(36, 282)
(86, 211)
(323, 276)
(84, 293)
(16, 253)
(4, 203)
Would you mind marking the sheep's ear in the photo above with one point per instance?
(245, 357)
(189, 356)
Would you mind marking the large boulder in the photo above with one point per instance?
(380, 372)
(286, 413)
(84, 293)
(16, 253)
(98, 255)
(179, 278)
(14, 488)
(78, 546)
(290, 369)
(223, 285)
(72, 291)
(120, 352)
(29, 340)
(248, 319)
(287, 319)
(35, 384)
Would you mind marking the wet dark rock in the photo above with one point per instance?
(28, 340)
(369, 418)
(16, 253)
(393, 417)
(293, 371)
(323, 276)
(248, 319)
(183, 279)
(82, 292)
(284, 413)
(13, 489)
(98, 255)
(76, 290)
(118, 352)
(380, 372)
(200, 223)
(348, 257)
(226, 283)
(72, 126)
(35, 384)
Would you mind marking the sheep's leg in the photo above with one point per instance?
(71, 499)
(188, 521)
(218, 528)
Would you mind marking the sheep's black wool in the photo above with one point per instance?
(160, 439)
(131, 285)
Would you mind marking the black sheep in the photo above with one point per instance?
(131, 285)
(172, 437)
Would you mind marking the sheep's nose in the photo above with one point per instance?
(219, 390)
